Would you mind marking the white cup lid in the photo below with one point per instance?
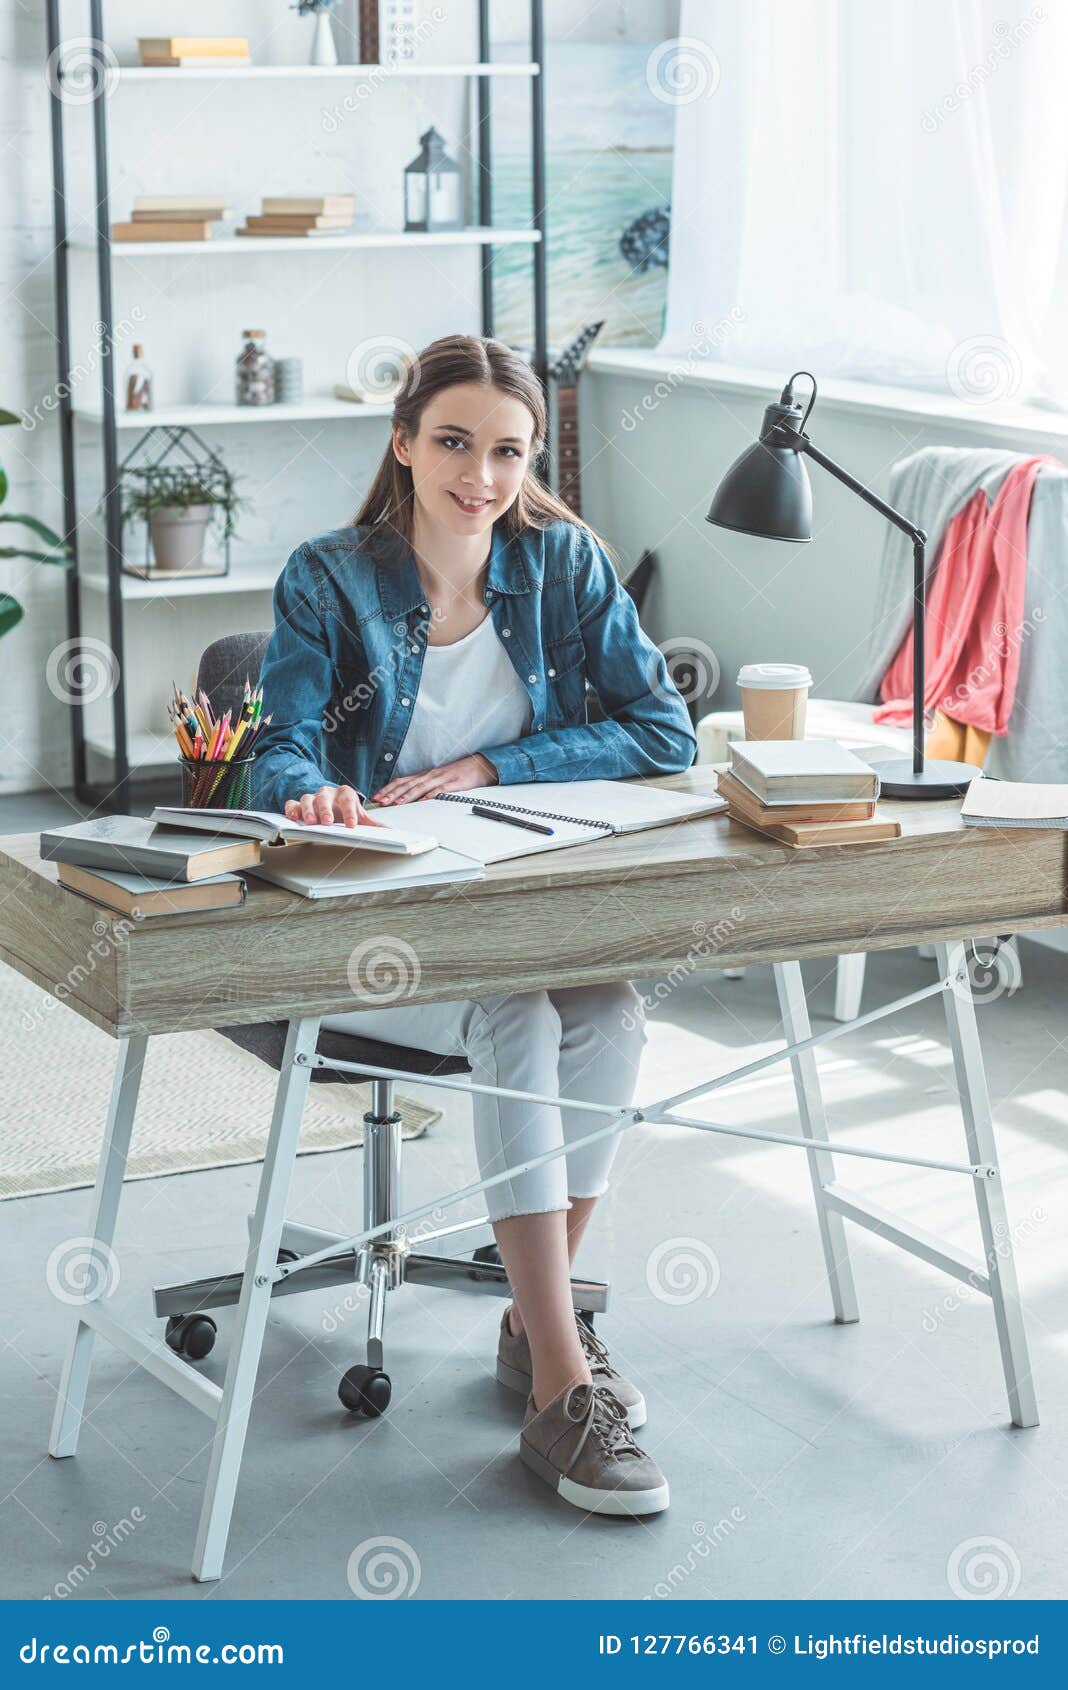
(774, 677)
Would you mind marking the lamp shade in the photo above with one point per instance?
(766, 492)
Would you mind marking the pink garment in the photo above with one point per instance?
(975, 611)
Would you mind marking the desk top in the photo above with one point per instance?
(701, 895)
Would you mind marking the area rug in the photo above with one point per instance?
(204, 1102)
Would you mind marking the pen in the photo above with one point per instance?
(512, 821)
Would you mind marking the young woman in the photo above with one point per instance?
(443, 642)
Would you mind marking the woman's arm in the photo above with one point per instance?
(647, 730)
(297, 677)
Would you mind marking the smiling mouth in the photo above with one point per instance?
(470, 507)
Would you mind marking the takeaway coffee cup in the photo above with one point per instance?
(774, 696)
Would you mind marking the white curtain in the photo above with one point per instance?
(875, 189)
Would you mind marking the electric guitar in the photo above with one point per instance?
(565, 370)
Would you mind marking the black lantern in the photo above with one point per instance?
(432, 188)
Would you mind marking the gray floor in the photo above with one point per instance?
(804, 1459)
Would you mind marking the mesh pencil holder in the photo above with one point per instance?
(220, 785)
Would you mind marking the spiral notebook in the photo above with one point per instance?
(576, 811)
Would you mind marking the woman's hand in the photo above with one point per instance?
(330, 804)
(460, 776)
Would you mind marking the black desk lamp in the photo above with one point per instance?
(766, 493)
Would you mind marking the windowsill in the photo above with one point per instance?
(991, 421)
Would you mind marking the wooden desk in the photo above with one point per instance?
(614, 909)
(701, 895)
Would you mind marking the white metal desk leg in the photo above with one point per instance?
(252, 1309)
(70, 1403)
(794, 1011)
(989, 1194)
(849, 986)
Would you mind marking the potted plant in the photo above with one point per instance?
(178, 503)
(324, 51)
(58, 552)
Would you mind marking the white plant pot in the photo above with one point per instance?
(324, 52)
(178, 536)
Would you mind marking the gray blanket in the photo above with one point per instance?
(930, 487)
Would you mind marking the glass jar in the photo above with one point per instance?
(255, 371)
(138, 382)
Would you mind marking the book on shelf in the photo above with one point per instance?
(274, 233)
(366, 396)
(297, 223)
(1014, 803)
(195, 61)
(318, 205)
(814, 810)
(193, 214)
(134, 845)
(193, 46)
(800, 770)
(205, 205)
(142, 895)
(166, 230)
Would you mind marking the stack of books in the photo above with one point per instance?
(804, 792)
(301, 214)
(185, 52)
(172, 217)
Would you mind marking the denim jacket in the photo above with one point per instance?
(341, 672)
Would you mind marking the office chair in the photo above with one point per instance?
(387, 1262)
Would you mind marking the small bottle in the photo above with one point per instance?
(255, 371)
(138, 383)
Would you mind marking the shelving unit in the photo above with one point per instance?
(135, 755)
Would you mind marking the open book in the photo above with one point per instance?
(271, 828)
(565, 812)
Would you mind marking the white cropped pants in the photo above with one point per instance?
(584, 1042)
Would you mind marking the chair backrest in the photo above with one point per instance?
(224, 666)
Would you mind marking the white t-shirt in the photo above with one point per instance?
(469, 699)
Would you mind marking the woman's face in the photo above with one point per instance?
(469, 456)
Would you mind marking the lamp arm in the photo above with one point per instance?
(919, 547)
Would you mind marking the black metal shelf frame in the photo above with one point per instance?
(115, 794)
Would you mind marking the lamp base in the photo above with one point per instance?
(937, 779)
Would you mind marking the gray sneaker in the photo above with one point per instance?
(581, 1446)
(514, 1368)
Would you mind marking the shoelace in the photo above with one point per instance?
(594, 1349)
(605, 1417)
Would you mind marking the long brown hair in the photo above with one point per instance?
(389, 507)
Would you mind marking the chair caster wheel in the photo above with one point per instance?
(364, 1390)
(488, 1253)
(286, 1256)
(586, 1317)
(191, 1335)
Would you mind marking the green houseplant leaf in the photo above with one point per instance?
(10, 613)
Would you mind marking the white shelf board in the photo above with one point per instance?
(243, 578)
(194, 73)
(230, 245)
(144, 749)
(210, 412)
